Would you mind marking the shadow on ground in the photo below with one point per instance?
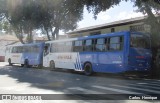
(59, 80)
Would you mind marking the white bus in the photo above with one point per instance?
(13, 54)
(25, 54)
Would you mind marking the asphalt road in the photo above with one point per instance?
(19, 80)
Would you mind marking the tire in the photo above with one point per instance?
(52, 65)
(26, 64)
(40, 66)
(9, 62)
(22, 65)
(88, 69)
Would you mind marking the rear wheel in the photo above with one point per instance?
(40, 66)
(22, 65)
(26, 64)
(52, 65)
(9, 61)
(88, 69)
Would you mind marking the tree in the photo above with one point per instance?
(23, 17)
(52, 15)
(152, 7)
(60, 15)
(26, 15)
(55, 15)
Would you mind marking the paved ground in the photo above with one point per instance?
(18, 80)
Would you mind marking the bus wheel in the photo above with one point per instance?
(9, 61)
(52, 65)
(88, 69)
(40, 66)
(22, 65)
(26, 64)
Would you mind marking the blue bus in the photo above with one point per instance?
(25, 54)
(118, 52)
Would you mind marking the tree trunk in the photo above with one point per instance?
(29, 37)
(56, 32)
(49, 39)
(153, 22)
(53, 35)
(19, 35)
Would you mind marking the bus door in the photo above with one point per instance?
(46, 53)
(7, 53)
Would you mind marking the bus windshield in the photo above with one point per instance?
(139, 41)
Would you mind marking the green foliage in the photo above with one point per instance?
(151, 8)
(96, 6)
(55, 15)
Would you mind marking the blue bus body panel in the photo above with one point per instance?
(104, 62)
(109, 61)
(139, 59)
(117, 61)
(34, 58)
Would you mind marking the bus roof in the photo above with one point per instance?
(29, 44)
(92, 37)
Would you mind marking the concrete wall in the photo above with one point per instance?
(2, 58)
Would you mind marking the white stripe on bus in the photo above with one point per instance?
(79, 62)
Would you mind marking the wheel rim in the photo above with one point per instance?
(52, 65)
(88, 69)
(9, 61)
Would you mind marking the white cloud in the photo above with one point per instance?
(128, 15)
(103, 16)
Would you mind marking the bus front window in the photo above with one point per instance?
(139, 41)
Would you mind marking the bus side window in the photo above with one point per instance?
(46, 49)
(14, 50)
(53, 47)
(88, 45)
(68, 46)
(116, 43)
(77, 46)
(100, 44)
(7, 50)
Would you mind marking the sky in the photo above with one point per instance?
(124, 10)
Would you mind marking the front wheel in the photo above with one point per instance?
(52, 65)
(88, 69)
